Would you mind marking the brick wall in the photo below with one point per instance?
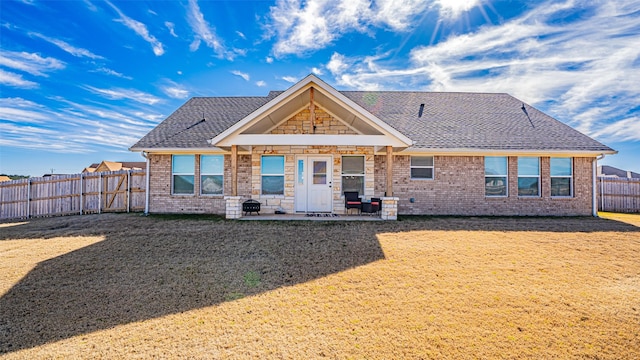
(458, 189)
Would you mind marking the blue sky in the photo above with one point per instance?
(82, 81)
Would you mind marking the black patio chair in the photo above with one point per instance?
(352, 201)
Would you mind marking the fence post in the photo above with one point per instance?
(128, 190)
(100, 193)
(81, 193)
(28, 198)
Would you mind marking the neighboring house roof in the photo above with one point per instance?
(441, 121)
(115, 166)
(4, 178)
(606, 170)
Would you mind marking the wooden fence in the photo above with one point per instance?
(86, 193)
(619, 194)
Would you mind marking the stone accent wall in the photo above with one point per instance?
(458, 189)
(301, 124)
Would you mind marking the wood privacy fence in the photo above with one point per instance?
(618, 194)
(86, 193)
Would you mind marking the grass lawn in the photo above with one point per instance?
(129, 286)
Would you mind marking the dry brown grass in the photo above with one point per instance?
(127, 286)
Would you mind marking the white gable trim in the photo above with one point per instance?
(391, 135)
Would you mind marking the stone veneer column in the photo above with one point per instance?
(233, 207)
(389, 209)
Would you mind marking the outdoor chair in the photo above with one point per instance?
(376, 204)
(352, 201)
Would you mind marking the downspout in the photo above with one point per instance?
(594, 200)
(146, 193)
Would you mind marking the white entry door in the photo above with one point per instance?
(314, 182)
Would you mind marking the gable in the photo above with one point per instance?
(325, 124)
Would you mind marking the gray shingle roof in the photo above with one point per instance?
(449, 121)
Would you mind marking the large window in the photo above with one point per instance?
(561, 177)
(272, 175)
(528, 176)
(182, 171)
(211, 174)
(421, 167)
(353, 174)
(495, 176)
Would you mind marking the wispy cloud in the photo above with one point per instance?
(31, 63)
(173, 90)
(579, 73)
(291, 79)
(241, 74)
(111, 72)
(171, 26)
(204, 32)
(119, 94)
(140, 29)
(311, 25)
(75, 51)
(261, 83)
(16, 80)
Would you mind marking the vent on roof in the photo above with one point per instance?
(421, 110)
(524, 110)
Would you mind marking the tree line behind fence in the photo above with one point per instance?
(86, 193)
(619, 194)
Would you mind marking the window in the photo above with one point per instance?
(182, 168)
(211, 174)
(528, 176)
(422, 167)
(272, 175)
(561, 177)
(353, 174)
(495, 176)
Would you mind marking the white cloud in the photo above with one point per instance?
(204, 32)
(171, 26)
(242, 35)
(337, 64)
(140, 29)
(317, 71)
(452, 9)
(108, 71)
(31, 63)
(16, 80)
(241, 74)
(269, 60)
(311, 25)
(261, 83)
(75, 51)
(290, 79)
(174, 90)
(119, 94)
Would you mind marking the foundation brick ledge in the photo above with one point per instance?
(233, 207)
(389, 209)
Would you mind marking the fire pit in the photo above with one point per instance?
(250, 206)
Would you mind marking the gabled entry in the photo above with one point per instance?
(314, 183)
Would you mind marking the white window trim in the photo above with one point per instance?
(432, 167)
(364, 169)
(529, 176)
(562, 177)
(175, 173)
(497, 176)
(206, 174)
(262, 174)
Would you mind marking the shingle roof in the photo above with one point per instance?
(449, 121)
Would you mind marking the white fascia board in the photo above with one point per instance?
(503, 152)
(306, 139)
(295, 90)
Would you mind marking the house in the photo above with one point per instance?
(434, 153)
(4, 178)
(114, 166)
(610, 171)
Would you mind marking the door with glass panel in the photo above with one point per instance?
(314, 184)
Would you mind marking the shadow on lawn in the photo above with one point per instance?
(149, 267)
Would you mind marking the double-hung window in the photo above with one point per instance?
(272, 167)
(211, 174)
(561, 176)
(496, 176)
(528, 176)
(182, 171)
(421, 167)
(353, 174)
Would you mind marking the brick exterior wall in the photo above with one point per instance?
(458, 189)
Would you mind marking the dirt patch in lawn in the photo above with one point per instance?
(124, 285)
